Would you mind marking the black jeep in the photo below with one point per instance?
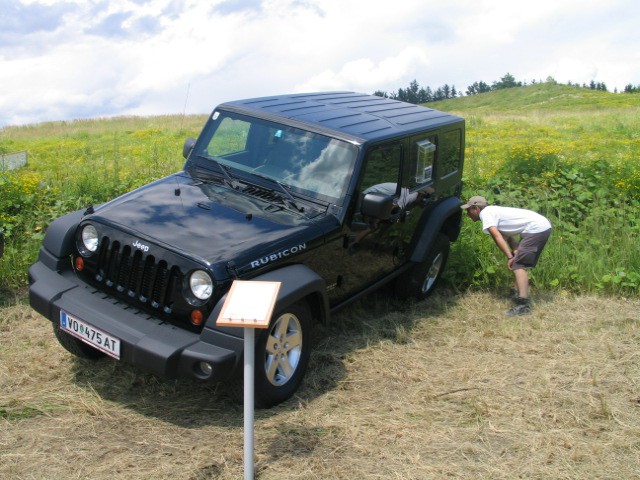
(332, 194)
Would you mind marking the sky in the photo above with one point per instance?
(74, 59)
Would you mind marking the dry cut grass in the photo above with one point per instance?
(448, 388)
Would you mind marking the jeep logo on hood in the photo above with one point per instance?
(141, 246)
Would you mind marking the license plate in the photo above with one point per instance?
(90, 335)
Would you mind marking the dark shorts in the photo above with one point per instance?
(529, 249)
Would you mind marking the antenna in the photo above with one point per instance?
(184, 108)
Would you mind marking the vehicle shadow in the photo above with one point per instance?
(192, 404)
(10, 297)
(378, 317)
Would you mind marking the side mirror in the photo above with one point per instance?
(377, 205)
(188, 146)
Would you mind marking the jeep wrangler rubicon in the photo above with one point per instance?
(332, 194)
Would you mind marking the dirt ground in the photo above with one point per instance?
(446, 388)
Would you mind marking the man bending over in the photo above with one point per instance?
(504, 224)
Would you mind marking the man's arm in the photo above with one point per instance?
(513, 243)
(500, 241)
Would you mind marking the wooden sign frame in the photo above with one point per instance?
(249, 304)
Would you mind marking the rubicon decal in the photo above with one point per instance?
(279, 255)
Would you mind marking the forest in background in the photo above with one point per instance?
(415, 93)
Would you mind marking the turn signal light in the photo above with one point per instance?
(79, 263)
(196, 317)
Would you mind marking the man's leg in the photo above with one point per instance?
(521, 304)
(522, 282)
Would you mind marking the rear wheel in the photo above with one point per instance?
(423, 277)
(282, 355)
(75, 346)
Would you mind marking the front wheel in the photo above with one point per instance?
(423, 277)
(282, 355)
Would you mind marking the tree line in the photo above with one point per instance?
(415, 93)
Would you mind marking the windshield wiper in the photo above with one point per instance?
(290, 198)
(232, 182)
(287, 197)
(229, 180)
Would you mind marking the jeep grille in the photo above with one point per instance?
(139, 277)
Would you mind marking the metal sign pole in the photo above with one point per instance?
(249, 357)
(239, 311)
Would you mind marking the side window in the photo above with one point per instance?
(382, 170)
(231, 137)
(450, 150)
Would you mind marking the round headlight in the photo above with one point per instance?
(201, 285)
(89, 238)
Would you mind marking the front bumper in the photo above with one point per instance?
(146, 342)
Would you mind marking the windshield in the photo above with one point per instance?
(306, 162)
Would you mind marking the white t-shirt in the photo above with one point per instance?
(513, 221)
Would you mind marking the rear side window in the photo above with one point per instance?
(450, 149)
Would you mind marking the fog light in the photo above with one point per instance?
(206, 368)
(79, 263)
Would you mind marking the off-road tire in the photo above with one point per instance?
(423, 277)
(282, 355)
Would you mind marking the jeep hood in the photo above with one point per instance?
(196, 219)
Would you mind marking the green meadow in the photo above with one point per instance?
(571, 154)
(568, 152)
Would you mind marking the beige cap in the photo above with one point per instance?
(476, 201)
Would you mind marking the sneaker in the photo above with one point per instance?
(522, 307)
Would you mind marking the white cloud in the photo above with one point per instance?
(115, 57)
(367, 75)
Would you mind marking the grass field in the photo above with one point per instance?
(446, 388)
(571, 154)
(567, 152)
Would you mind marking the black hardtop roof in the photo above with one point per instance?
(357, 116)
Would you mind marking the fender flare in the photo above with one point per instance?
(60, 234)
(445, 217)
(59, 239)
(297, 282)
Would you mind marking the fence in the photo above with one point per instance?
(11, 161)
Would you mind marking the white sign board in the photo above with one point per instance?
(249, 304)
